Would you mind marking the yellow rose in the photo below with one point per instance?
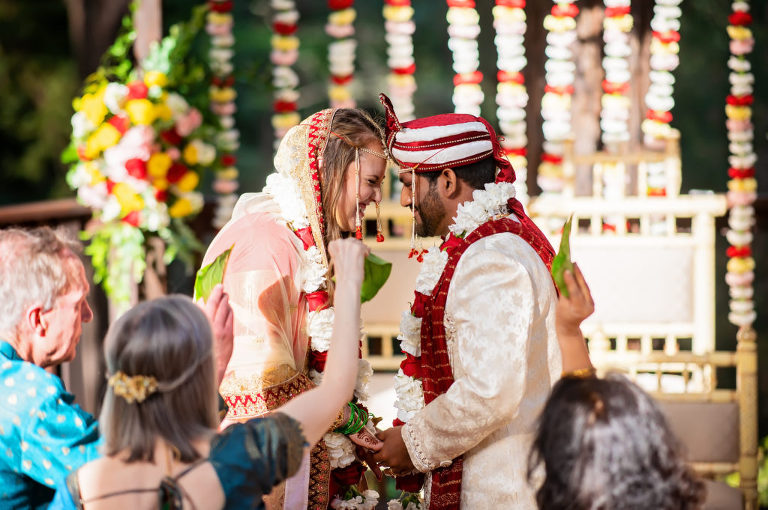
(222, 95)
(749, 184)
(339, 93)
(285, 42)
(141, 111)
(152, 78)
(344, 17)
(738, 33)
(740, 265)
(219, 18)
(182, 207)
(160, 184)
(158, 165)
(188, 182)
(622, 23)
(229, 173)
(398, 13)
(285, 120)
(738, 112)
(163, 112)
(127, 197)
(190, 154)
(92, 105)
(107, 136)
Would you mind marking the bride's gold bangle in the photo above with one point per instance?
(581, 373)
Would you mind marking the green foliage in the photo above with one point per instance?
(376, 271)
(733, 479)
(211, 275)
(562, 260)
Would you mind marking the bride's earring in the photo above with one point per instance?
(358, 226)
(379, 230)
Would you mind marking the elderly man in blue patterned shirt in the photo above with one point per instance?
(43, 434)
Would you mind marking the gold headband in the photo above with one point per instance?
(132, 387)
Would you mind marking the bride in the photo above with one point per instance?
(328, 169)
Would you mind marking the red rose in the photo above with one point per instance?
(284, 106)
(568, 89)
(411, 366)
(615, 12)
(221, 6)
(317, 360)
(615, 88)
(176, 172)
(565, 10)
(405, 70)
(451, 243)
(397, 423)
(668, 36)
(521, 151)
(349, 475)
(551, 158)
(665, 117)
(340, 4)
(228, 160)
(740, 18)
(110, 185)
(305, 234)
(137, 90)
(741, 173)
(120, 122)
(465, 78)
(342, 80)
(161, 195)
(462, 3)
(745, 100)
(514, 77)
(738, 251)
(317, 300)
(284, 28)
(171, 137)
(398, 3)
(136, 168)
(418, 304)
(410, 483)
(132, 218)
(515, 4)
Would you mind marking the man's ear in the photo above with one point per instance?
(35, 321)
(449, 183)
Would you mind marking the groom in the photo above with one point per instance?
(480, 336)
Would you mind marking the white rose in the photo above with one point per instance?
(114, 94)
(410, 334)
(340, 450)
(410, 396)
(394, 504)
(320, 328)
(312, 271)
(364, 373)
(431, 269)
(81, 126)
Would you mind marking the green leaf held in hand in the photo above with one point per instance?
(211, 275)
(562, 260)
(376, 271)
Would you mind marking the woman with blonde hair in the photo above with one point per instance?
(159, 417)
(328, 169)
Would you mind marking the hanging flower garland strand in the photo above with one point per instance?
(341, 52)
(556, 104)
(400, 27)
(222, 94)
(463, 29)
(614, 115)
(511, 95)
(285, 52)
(742, 187)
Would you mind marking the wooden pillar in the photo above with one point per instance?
(746, 368)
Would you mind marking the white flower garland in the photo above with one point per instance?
(400, 27)
(511, 95)
(560, 72)
(285, 53)
(463, 29)
(742, 187)
(614, 115)
(341, 54)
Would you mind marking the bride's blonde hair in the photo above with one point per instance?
(350, 128)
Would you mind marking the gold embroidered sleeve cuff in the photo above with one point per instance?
(415, 450)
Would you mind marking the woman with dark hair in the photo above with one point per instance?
(328, 169)
(604, 443)
(159, 415)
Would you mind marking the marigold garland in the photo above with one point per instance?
(341, 52)
(219, 22)
(742, 186)
(463, 29)
(285, 53)
(511, 95)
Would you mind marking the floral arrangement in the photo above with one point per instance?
(341, 450)
(463, 29)
(485, 206)
(222, 95)
(341, 52)
(511, 95)
(137, 152)
(664, 60)
(742, 187)
(556, 104)
(285, 53)
(400, 27)
(614, 115)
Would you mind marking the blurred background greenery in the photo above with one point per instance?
(48, 46)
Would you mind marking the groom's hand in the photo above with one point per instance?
(394, 453)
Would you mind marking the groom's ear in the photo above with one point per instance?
(449, 184)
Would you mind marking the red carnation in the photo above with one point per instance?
(451, 243)
(161, 195)
(567, 89)
(462, 3)
(745, 100)
(405, 70)
(464, 78)
(551, 158)
(137, 90)
(615, 12)
(665, 117)
(317, 360)
(132, 218)
(615, 88)
(136, 168)
(668, 36)
(221, 6)
(741, 173)
(228, 160)
(171, 137)
(411, 366)
(284, 106)
(340, 4)
(398, 3)
(317, 300)
(120, 122)
(176, 172)
(305, 234)
(565, 10)
(740, 18)
(285, 28)
(517, 4)
(515, 77)
(342, 80)
(738, 251)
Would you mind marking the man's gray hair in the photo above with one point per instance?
(33, 269)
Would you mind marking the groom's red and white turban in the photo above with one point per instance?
(449, 140)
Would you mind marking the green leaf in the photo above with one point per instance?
(211, 275)
(376, 271)
(69, 155)
(562, 260)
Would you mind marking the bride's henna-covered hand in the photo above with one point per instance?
(368, 444)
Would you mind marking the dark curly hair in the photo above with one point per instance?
(605, 445)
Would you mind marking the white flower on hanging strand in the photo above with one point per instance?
(463, 29)
(511, 95)
(614, 115)
(560, 72)
(341, 52)
(400, 27)
(742, 186)
(219, 22)
(285, 53)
